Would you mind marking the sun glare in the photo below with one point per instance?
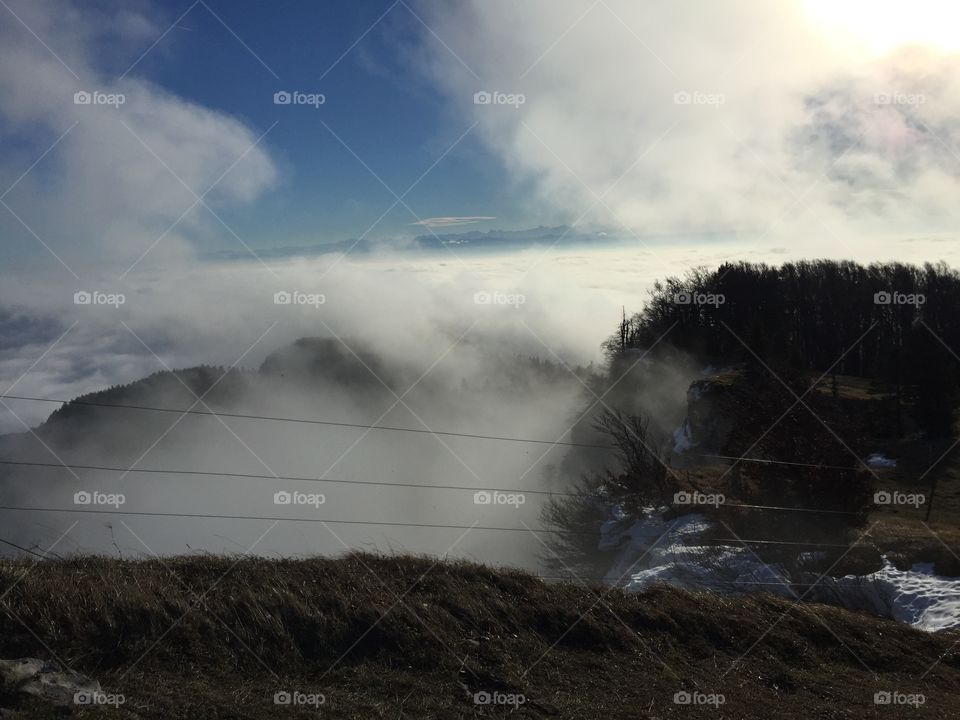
(884, 25)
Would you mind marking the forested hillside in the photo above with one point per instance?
(893, 323)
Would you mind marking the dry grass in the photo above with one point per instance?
(851, 387)
(390, 637)
(906, 531)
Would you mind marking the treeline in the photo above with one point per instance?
(894, 323)
(173, 389)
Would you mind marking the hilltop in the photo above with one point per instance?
(388, 637)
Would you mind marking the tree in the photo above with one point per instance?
(641, 479)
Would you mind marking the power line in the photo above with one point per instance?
(26, 550)
(253, 476)
(208, 516)
(393, 428)
(777, 462)
(793, 509)
(308, 421)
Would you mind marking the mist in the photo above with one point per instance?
(419, 352)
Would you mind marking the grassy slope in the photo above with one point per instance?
(905, 532)
(153, 632)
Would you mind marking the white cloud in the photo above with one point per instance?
(126, 172)
(443, 222)
(701, 115)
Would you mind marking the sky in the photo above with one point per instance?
(360, 57)
(801, 121)
(333, 168)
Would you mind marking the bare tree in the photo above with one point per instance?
(643, 478)
(639, 480)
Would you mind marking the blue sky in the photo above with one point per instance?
(376, 102)
(201, 78)
(779, 123)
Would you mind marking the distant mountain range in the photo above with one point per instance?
(559, 236)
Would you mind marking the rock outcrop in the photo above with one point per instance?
(47, 681)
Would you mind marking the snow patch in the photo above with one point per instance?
(916, 596)
(682, 441)
(652, 550)
(881, 461)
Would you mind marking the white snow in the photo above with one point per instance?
(652, 550)
(916, 596)
(681, 438)
(881, 461)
